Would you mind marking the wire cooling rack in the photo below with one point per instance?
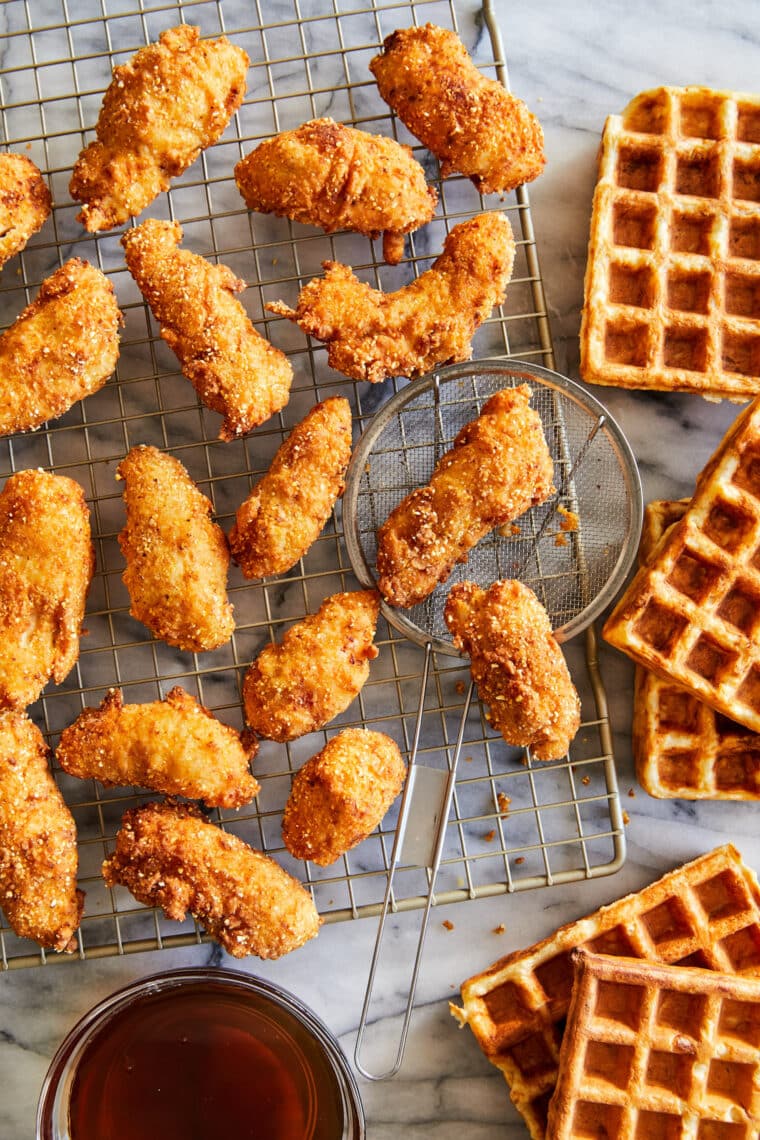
(512, 826)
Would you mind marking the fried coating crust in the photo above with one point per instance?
(372, 335)
(234, 370)
(517, 665)
(340, 795)
(335, 177)
(177, 558)
(470, 123)
(169, 856)
(498, 467)
(162, 108)
(46, 564)
(38, 841)
(175, 746)
(286, 510)
(61, 348)
(298, 686)
(25, 203)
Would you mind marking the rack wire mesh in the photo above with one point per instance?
(512, 826)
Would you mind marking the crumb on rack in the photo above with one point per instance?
(490, 835)
(560, 540)
(626, 818)
(499, 929)
(367, 468)
(459, 687)
(503, 800)
(508, 530)
(447, 925)
(569, 520)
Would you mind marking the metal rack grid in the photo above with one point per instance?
(513, 827)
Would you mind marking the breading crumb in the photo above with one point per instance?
(447, 925)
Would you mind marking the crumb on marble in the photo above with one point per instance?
(490, 835)
(503, 800)
(499, 929)
(447, 925)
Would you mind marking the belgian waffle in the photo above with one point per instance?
(706, 914)
(672, 292)
(658, 1052)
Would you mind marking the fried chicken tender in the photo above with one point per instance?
(162, 108)
(340, 795)
(46, 564)
(470, 123)
(61, 348)
(498, 467)
(38, 841)
(234, 370)
(317, 671)
(175, 746)
(335, 177)
(25, 203)
(177, 558)
(169, 855)
(517, 665)
(286, 510)
(372, 335)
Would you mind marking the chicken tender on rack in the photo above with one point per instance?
(168, 855)
(177, 558)
(234, 369)
(318, 670)
(286, 510)
(372, 335)
(517, 665)
(335, 177)
(171, 100)
(25, 203)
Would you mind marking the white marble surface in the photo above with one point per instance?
(573, 63)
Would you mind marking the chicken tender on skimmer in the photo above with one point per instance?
(25, 203)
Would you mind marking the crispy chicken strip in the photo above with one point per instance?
(517, 665)
(317, 671)
(169, 856)
(234, 370)
(162, 108)
(177, 558)
(498, 467)
(46, 565)
(340, 795)
(286, 510)
(335, 177)
(61, 348)
(372, 335)
(25, 203)
(38, 841)
(175, 746)
(471, 124)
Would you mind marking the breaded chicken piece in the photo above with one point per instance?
(335, 177)
(234, 370)
(517, 665)
(286, 510)
(25, 203)
(175, 746)
(177, 558)
(340, 795)
(498, 467)
(46, 565)
(470, 123)
(61, 348)
(372, 335)
(162, 108)
(318, 670)
(38, 841)
(168, 855)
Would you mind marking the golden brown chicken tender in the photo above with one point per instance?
(46, 565)
(25, 203)
(38, 841)
(61, 348)
(317, 671)
(286, 510)
(471, 123)
(162, 108)
(175, 746)
(372, 335)
(499, 467)
(169, 856)
(335, 177)
(177, 558)
(517, 665)
(234, 370)
(341, 795)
